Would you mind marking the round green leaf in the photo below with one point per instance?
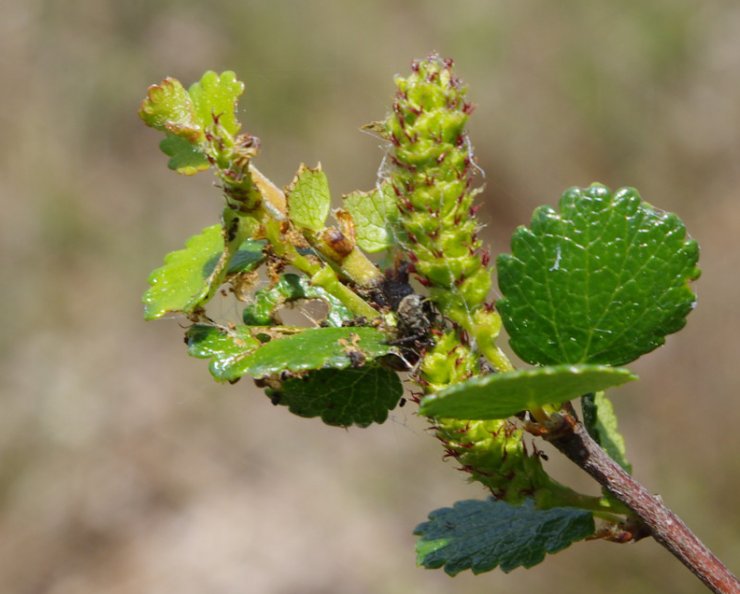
(602, 281)
(501, 395)
(483, 535)
(342, 397)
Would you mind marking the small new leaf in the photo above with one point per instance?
(602, 281)
(191, 275)
(343, 397)
(309, 198)
(601, 423)
(167, 107)
(375, 214)
(235, 353)
(184, 157)
(501, 395)
(483, 535)
(181, 284)
(214, 99)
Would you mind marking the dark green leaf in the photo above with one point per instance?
(235, 352)
(601, 422)
(602, 281)
(248, 257)
(483, 535)
(501, 395)
(342, 397)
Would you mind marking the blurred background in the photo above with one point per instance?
(125, 469)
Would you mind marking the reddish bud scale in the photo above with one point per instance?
(485, 260)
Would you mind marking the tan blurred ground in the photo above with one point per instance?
(125, 470)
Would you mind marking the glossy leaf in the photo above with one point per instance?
(601, 422)
(343, 397)
(225, 347)
(214, 99)
(185, 279)
(169, 108)
(191, 275)
(291, 287)
(483, 535)
(374, 215)
(234, 353)
(309, 198)
(603, 280)
(184, 157)
(501, 395)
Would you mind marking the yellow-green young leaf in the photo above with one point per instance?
(308, 198)
(215, 98)
(232, 356)
(167, 107)
(342, 397)
(184, 157)
(190, 276)
(375, 215)
(602, 280)
(501, 395)
(483, 535)
(601, 422)
(181, 284)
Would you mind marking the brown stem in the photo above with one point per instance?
(569, 436)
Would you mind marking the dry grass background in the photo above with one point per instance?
(125, 470)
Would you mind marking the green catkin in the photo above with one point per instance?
(431, 175)
(432, 180)
(492, 452)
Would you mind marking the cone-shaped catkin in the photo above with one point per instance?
(431, 176)
(493, 452)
